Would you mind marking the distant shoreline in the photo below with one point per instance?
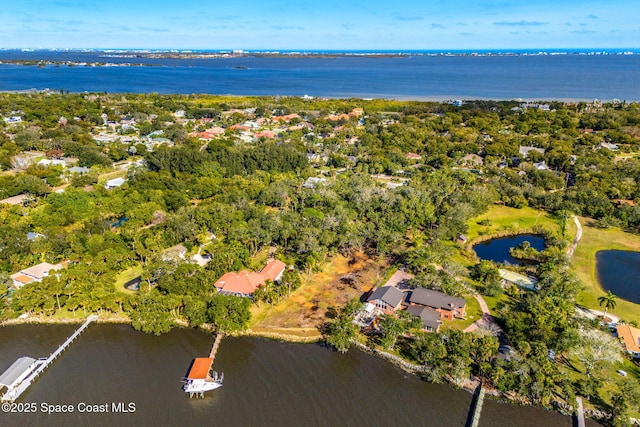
(326, 53)
(408, 98)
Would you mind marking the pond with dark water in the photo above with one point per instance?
(266, 383)
(619, 272)
(497, 250)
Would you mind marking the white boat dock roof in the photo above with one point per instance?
(19, 368)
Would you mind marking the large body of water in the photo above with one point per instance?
(497, 250)
(267, 383)
(619, 272)
(542, 77)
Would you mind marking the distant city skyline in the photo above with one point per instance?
(328, 25)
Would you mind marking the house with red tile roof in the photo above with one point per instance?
(245, 283)
(266, 134)
(286, 118)
(210, 133)
(630, 338)
(34, 274)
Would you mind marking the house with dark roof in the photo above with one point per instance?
(387, 299)
(430, 317)
(448, 306)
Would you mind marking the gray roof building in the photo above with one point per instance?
(435, 299)
(430, 317)
(391, 295)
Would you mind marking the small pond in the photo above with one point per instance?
(497, 250)
(619, 272)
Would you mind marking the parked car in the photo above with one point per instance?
(622, 373)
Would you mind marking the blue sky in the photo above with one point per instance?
(316, 24)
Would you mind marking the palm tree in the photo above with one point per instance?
(609, 301)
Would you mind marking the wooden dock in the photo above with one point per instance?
(16, 390)
(476, 409)
(216, 344)
(580, 412)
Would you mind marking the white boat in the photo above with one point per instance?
(201, 378)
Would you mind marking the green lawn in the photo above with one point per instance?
(506, 220)
(125, 276)
(493, 302)
(473, 313)
(575, 371)
(583, 262)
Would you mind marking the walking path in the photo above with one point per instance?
(596, 314)
(574, 245)
(216, 345)
(486, 319)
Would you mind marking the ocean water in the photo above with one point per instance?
(530, 77)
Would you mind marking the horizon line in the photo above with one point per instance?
(240, 50)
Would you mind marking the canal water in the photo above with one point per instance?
(497, 250)
(267, 383)
(619, 272)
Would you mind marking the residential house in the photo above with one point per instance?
(52, 162)
(608, 146)
(15, 200)
(78, 169)
(114, 183)
(286, 118)
(462, 239)
(430, 317)
(32, 235)
(472, 160)
(210, 133)
(387, 299)
(176, 253)
(541, 166)
(630, 338)
(313, 182)
(525, 150)
(267, 134)
(274, 270)
(245, 283)
(33, 274)
(337, 117)
(448, 306)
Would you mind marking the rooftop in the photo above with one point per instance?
(430, 317)
(436, 299)
(630, 336)
(15, 371)
(389, 294)
(273, 269)
(518, 279)
(200, 368)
